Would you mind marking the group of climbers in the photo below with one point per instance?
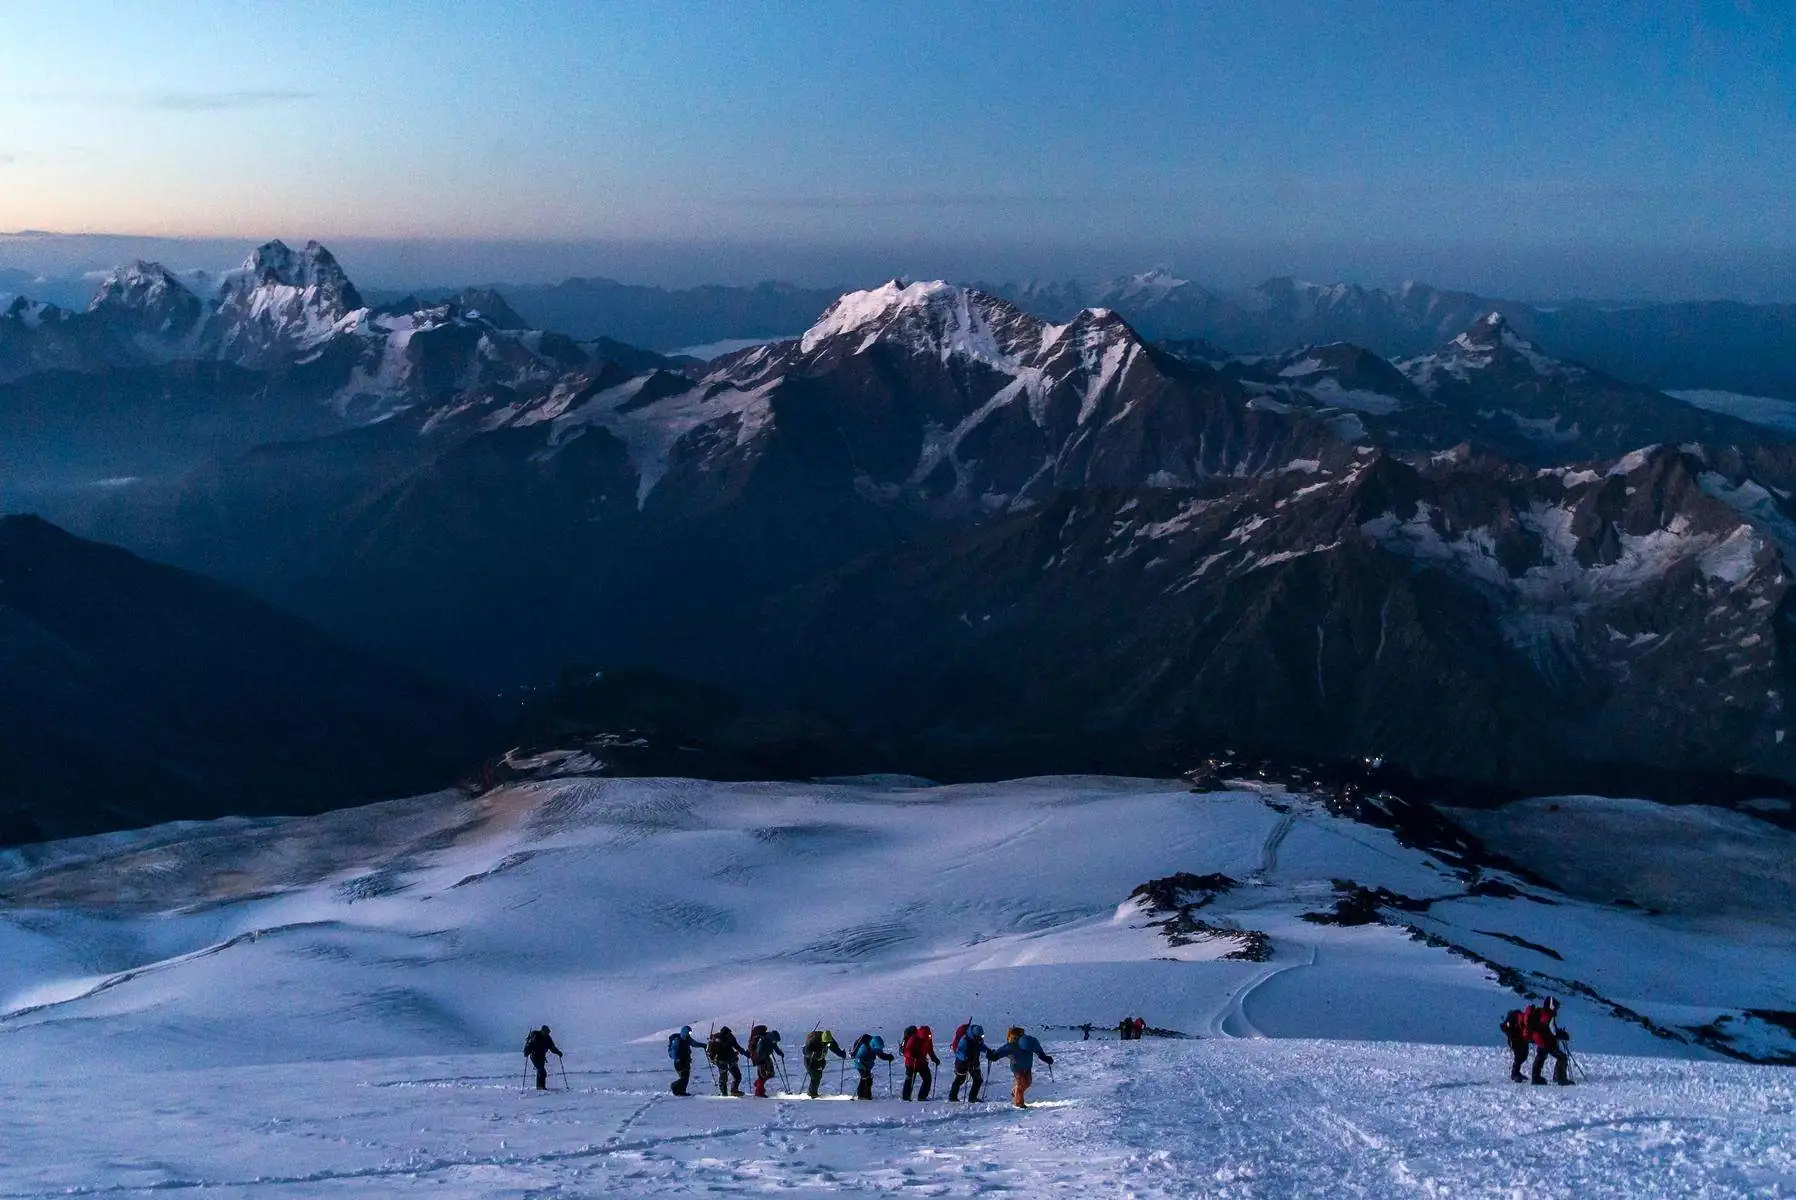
(1535, 1028)
(916, 1046)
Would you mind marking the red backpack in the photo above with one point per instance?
(954, 1046)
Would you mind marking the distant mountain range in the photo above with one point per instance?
(972, 539)
(1719, 345)
(1726, 346)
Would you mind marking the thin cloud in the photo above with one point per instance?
(224, 100)
(904, 199)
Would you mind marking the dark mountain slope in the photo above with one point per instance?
(132, 693)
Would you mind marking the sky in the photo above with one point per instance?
(1531, 149)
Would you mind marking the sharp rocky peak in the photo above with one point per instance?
(311, 269)
(149, 294)
(1492, 331)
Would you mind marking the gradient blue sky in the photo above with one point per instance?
(1602, 148)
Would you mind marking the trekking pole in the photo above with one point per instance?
(561, 1060)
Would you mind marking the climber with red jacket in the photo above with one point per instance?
(1539, 1020)
(918, 1048)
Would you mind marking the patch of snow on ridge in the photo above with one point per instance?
(1329, 391)
(1754, 504)
(1733, 558)
(1729, 557)
(652, 431)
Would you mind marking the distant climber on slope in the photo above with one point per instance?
(819, 1044)
(722, 1051)
(869, 1048)
(537, 1048)
(968, 1048)
(918, 1048)
(679, 1048)
(1022, 1049)
(1125, 1029)
(1515, 1031)
(1546, 1035)
(763, 1044)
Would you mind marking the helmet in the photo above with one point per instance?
(976, 1030)
(924, 1029)
(723, 1029)
(544, 1029)
(685, 1029)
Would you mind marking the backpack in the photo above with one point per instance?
(860, 1041)
(813, 1048)
(1512, 1024)
(533, 1043)
(755, 1037)
(959, 1036)
(673, 1046)
(713, 1044)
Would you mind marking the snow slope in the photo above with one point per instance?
(330, 1005)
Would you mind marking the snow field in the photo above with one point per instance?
(333, 1005)
(1254, 1118)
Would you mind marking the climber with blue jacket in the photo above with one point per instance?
(1022, 1049)
(679, 1048)
(968, 1049)
(868, 1050)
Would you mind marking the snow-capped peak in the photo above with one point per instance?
(1148, 287)
(282, 301)
(1488, 341)
(312, 267)
(1492, 335)
(872, 306)
(137, 284)
(931, 317)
